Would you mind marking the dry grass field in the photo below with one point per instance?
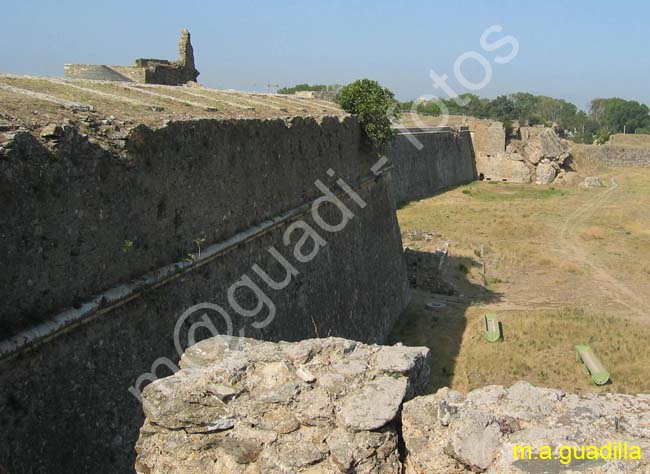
(149, 104)
(563, 266)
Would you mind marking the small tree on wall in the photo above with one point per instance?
(373, 105)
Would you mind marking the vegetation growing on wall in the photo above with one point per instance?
(373, 105)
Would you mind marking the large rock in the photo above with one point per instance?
(315, 406)
(449, 433)
(425, 433)
(545, 172)
(540, 154)
(503, 167)
(336, 406)
(592, 182)
(543, 143)
(374, 405)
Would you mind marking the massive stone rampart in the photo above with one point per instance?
(79, 219)
(428, 160)
(616, 155)
(83, 219)
(488, 137)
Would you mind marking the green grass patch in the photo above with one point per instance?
(494, 191)
(538, 346)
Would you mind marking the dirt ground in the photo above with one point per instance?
(559, 266)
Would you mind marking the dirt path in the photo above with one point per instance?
(573, 249)
(559, 267)
(601, 282)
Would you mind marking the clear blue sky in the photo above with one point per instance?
(572, 49)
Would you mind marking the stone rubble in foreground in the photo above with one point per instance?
(337, 406)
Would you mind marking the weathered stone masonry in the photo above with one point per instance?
(616, 155)
(442, 158)
(332, 406)
(82, 219)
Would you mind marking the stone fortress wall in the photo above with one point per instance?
(80, 220)
(613, 154)
(103, 252)
(83, 220)
(114, 238)
(488, 136)
(542, 157)
(428, 160)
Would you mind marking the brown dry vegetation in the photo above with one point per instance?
(151, 104)
(639, 140)
(564, 266)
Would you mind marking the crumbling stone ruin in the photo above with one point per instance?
(449, 432)
(540, 156)
(337, 406)
(425, 270)
(245, 406)
(147, 71)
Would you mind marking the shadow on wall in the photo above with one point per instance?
(440, 160)
(436, 317)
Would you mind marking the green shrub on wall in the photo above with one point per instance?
(602, 136)
(374, 107)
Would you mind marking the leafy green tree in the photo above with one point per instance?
(618, 115)
(428, 107)
(614, 114)
(502, 108)
(566, 117)
(558, 111)
(373, 105)
(468, 104)
(406, 106)
(464, 104)
(585, 128)
(526, 107)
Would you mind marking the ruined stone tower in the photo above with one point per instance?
(185, 61)
(148, 71)
(185, 50)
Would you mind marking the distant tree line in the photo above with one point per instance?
(605, 116)
(310, 87)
